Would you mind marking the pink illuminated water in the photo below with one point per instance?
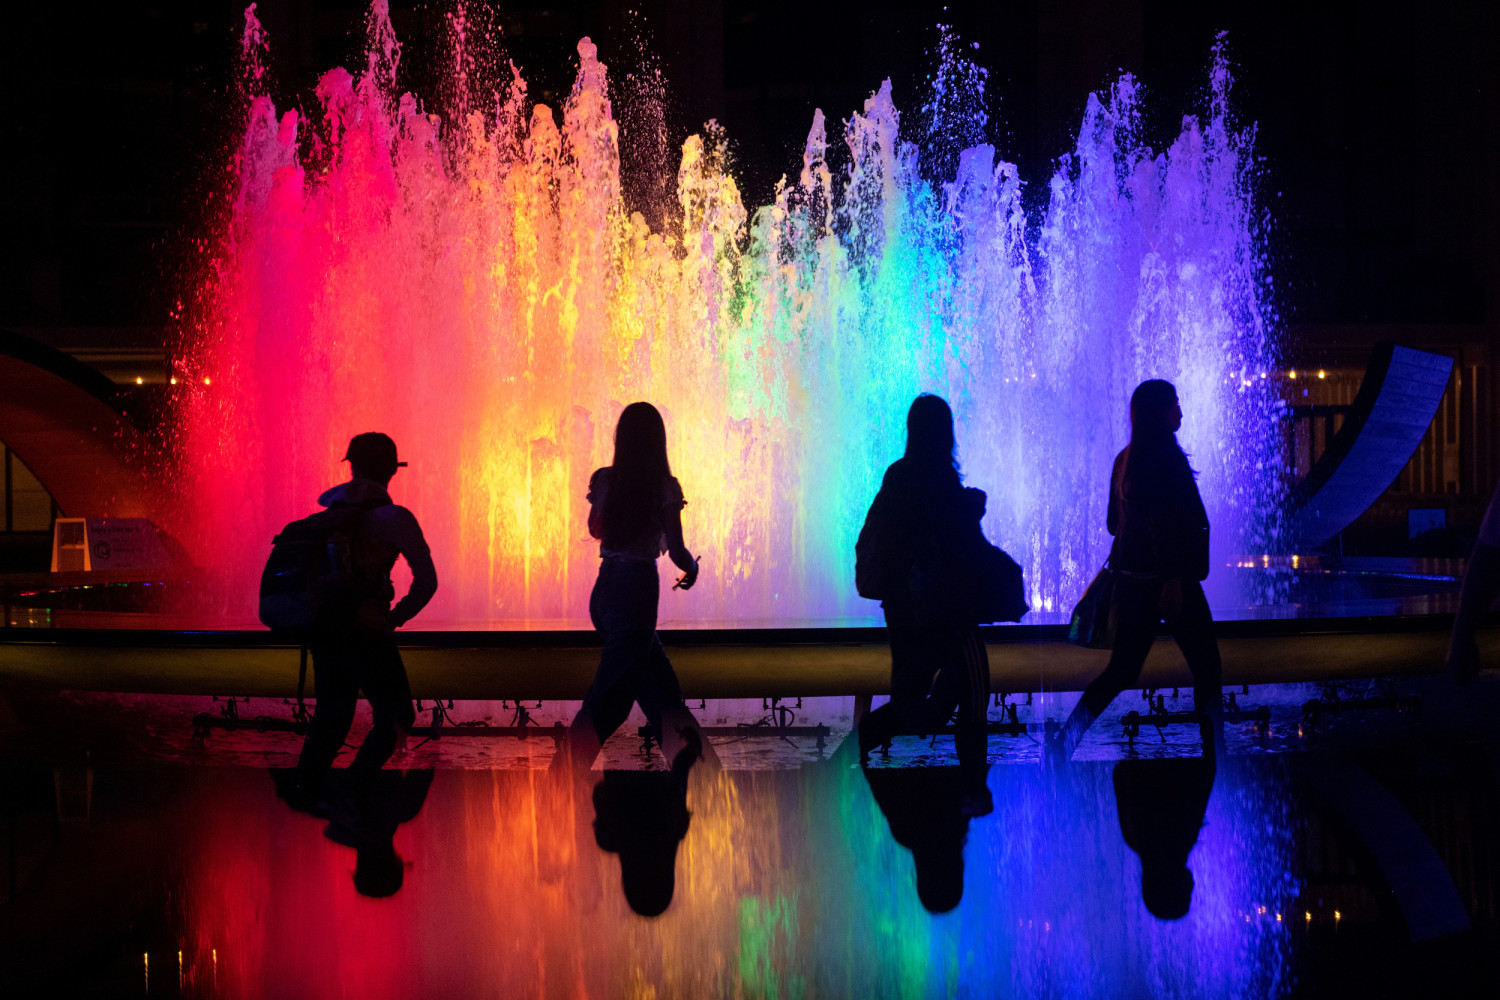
(468, 278)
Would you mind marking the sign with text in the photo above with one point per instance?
(106, 543)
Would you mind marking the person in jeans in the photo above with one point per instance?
(356, 650)
(938, 660)
(636, 513)
(1159, 557)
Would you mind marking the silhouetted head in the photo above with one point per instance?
(642, 816)
(1166, 888)
(940, 874)
(1154, 412)
(372, 456)
(641, 438)
(378, 870)
(929, 431)
(1161, 805)
(923, 806)
(639, 468)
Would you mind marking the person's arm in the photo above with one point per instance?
(414, 550)
(1112, 511)
(596, 506)
(677, 550)
(1480, 588)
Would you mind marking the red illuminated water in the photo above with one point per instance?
(466, 276)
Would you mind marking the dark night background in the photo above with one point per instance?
(1377, 123)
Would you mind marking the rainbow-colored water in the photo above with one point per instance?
(473, 283)
(787, 884)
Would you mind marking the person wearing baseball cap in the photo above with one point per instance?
(358, 650)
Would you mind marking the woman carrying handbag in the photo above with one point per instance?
(1157, 563)
(906, 560)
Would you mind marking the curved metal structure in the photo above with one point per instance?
(1397, 400)
(61, 418)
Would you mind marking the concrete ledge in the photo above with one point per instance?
(738, 663)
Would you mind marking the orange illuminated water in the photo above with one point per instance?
(468, 278)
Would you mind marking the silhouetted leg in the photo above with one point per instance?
(383, 678)
(912, 669)
(962, 685)
(1138, 613)
(659, 694)
(335, 686)
(623, 609)
(970, 739)
(1194, 632)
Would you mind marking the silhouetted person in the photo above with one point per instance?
(938, 660)
(924, 806)
(356, 649)
(636, 514)
(642, 816)
(366, 820)
(1160, 557)
(1480, 588)
(1161, 805)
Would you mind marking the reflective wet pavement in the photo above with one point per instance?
(1359, 857)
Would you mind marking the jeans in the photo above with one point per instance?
(633, 666)
(1138, 613)
(936, 669)
(344, 662)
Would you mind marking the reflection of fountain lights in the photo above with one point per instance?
(475, 286)
(783, 879)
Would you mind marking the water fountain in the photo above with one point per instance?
(473, 283)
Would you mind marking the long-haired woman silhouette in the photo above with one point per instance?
(938, 660)
(636, 514)
(1160, 557)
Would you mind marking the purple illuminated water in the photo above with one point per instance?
(465, 274)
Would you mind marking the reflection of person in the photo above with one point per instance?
(366, 820)
(1159, 558)
(356, 650)
(924, 806)
(642, 816)
(938, 659)
(1481, 587)
(636, 514)
(1161, 805)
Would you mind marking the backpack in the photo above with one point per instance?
(310, 578)
(872, 559)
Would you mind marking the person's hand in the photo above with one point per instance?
(1171, 600)
(689, 577)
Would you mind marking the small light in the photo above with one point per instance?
(1292, 373)
(1262, 374)
(1322, 374)
(1308, 915)
(206, 381)
(1278, 918)
(1337, 916)
(139, 380)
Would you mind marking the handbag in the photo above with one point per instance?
(1001, 593)
(1094, 622)
(982, 582)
